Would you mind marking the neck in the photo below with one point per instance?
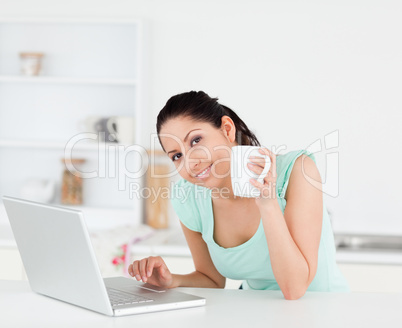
(225, 194)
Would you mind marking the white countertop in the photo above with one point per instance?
(6, 237)
(20, 307)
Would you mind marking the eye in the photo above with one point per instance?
(196, 138)
(174, 156)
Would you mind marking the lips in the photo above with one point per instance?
(204, 172)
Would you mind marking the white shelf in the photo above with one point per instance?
(50, 145)
(92, 69)
(68, 80)
(69, 20)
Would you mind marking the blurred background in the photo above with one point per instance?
(322, 76)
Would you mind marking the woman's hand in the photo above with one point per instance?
(268, 187)
(152, 270)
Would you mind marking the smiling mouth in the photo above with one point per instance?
(204, 173)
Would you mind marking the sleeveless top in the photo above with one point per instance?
(250, 261)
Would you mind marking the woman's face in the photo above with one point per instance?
(200, 152)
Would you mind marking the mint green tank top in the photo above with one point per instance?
(250, 261)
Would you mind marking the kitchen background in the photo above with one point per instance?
(325, 76)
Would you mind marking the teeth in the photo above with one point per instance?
(203, 172)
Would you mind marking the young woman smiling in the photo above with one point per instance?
(281, 240)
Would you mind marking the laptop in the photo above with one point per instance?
(60, 262)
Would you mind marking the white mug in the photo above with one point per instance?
(123, 127)
(241, 174)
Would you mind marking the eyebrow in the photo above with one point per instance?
(185, 139)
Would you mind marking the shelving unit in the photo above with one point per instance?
(45, 145)
(66, 80)
(91, 67)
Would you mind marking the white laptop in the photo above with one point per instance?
(59, 261)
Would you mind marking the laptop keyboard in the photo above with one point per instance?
(118, 297)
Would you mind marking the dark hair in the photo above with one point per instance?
(201, 107)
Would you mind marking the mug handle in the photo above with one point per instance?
(109, 125)
(267, 166)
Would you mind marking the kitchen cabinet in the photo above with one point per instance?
(91, 68)
(11, 265)
(373, 277)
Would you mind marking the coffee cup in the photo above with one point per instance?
(241, 174)
(97, 124)
(103, 131)
(123, 128)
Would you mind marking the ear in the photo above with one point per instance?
(228, 128)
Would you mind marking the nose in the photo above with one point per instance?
(193, 165)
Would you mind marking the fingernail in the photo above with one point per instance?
(149, 273)
(138, 277)
(144, 279)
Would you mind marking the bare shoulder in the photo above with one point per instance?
(304, 176)
(305, 164)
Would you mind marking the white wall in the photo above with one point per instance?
(295, 71)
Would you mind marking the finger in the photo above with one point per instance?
(257, 162)
(130, 270)
(266, 151)
(257, 159)
(161, 265)
(163, 270)
(136, 270)
(272, 156)
(142, 269)
(259, 185)
(264, 191)
(255, 168)
(150, 266)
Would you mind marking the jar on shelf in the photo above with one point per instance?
(31, 63)
(157, 209)
(71, 188)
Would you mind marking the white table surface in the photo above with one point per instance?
(20, 307)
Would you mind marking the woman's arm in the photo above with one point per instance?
(155, 271)
(293, 237)
(206, 274)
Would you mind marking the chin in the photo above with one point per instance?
(213, 183)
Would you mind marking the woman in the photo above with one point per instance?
(281, 240)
